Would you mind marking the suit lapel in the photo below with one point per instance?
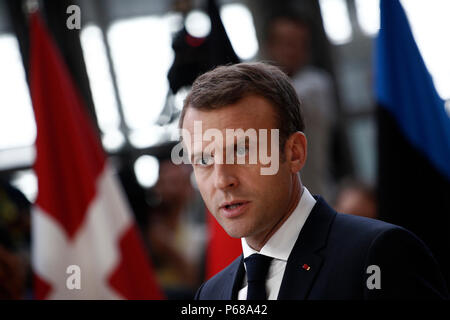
(233, 282)
(304, 262)
(238, 278)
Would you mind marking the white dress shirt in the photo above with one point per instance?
(279, 246)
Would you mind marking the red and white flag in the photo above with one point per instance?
(81, 220)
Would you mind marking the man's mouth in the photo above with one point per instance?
(234, 208)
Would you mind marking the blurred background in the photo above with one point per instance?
(133, 62)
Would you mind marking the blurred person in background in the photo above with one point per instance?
(174, 231)
(355, 197)
(289, 47)
(12, 273)
(15, 269)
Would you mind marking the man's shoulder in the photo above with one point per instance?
(355, 233)
(408, 268)
(376, 238)
(362, 225)
(357, 229)
(407, 265)
(347, 227)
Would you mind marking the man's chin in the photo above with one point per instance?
(235, 232)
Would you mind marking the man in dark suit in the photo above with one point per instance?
(294, 245)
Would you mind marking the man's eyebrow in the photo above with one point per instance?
(244, 140)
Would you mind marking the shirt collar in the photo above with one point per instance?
(280, 245)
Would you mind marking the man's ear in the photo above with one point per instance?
(296, 151)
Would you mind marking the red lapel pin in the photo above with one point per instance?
(306, 267)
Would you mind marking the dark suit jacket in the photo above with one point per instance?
(339, 248)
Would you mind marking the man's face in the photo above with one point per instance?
(261, 199)
(288, 45)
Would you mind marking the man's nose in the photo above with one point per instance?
(225, 177)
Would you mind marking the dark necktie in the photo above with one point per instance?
(257, 266)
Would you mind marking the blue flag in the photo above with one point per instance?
(414, 137)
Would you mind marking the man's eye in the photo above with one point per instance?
(204, 161)
(241, 151)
